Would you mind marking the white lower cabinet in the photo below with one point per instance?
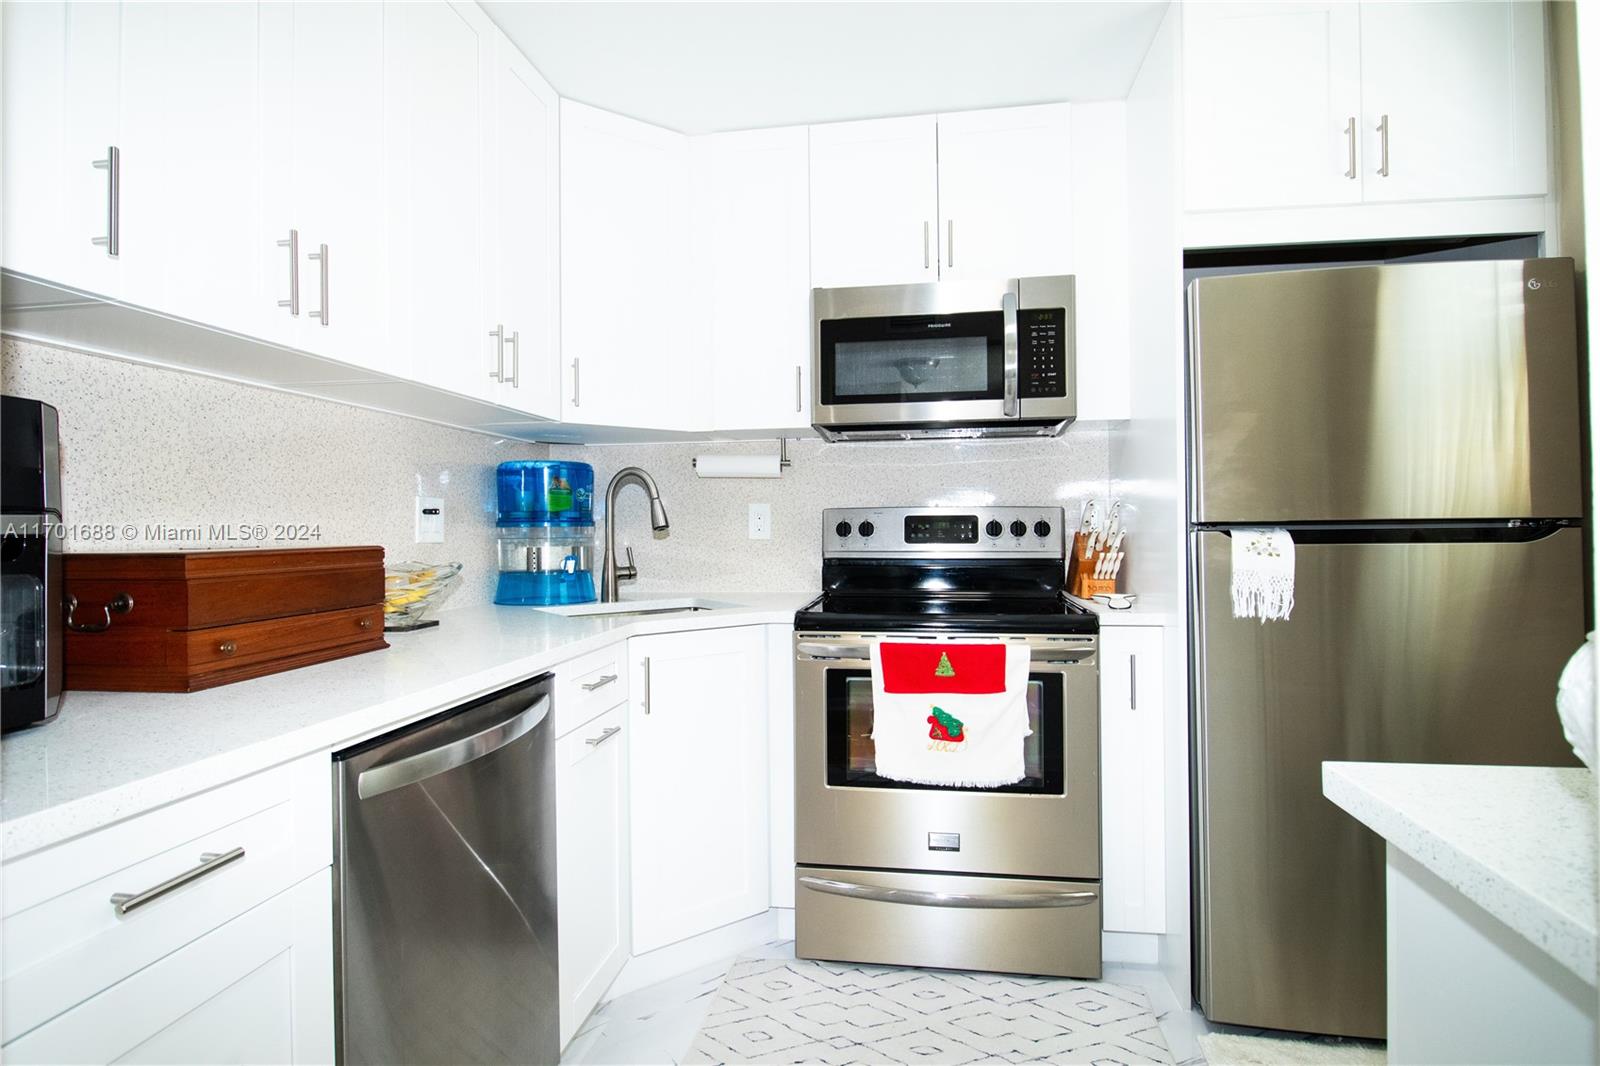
(1132, 781)
(258, 989)
(698, 768)
(591, 862)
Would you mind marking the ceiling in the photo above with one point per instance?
(707, 67)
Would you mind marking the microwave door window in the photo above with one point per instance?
(913, 359)
(928, 367)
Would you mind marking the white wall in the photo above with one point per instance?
(143, 446)
(1147, 452)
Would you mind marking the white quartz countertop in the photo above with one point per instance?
(1140, 614)
(111, 755)
(1519, 841)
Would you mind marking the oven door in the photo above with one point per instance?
(893, 354)
(1046, 826)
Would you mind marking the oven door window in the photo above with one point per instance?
(851, 759)
(913, 358)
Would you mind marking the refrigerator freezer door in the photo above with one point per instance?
(1411, 392)
(1420, 652)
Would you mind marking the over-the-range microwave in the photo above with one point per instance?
(947, 359)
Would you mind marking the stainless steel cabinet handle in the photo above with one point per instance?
(320, 256)
(293, 302)
(925, 261)
(1133, 682)
(499, 371)
(123, 902)
(602, 683)
(516, 359)
(646, 665)
(1350, 138)
(1383, 147)
(797, 398)
(950, 242)
(605, 735)
(386, 777)
(574, 383)
(1010, 407)
(112, 165)
(921, 898)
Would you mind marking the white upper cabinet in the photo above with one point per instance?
(751, 221)
(1100, 265)
(523, 234)
(1272, 104)
(875, 202)
(1005, 196)
(323, 167)
(625, 266)
(437, 63)
(62, 129)
(191, 184)
(1458, 90)
(1326, 104)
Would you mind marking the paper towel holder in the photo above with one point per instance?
(784, 462)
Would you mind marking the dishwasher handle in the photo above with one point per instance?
(386, 777)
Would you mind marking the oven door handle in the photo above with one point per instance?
(834, 651)
(920, 898)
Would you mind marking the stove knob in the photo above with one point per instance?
(843, 529)
(1041, 528)
(866, 529)
(1019, 528)
(994, 528)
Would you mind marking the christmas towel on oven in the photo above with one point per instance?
(950, 714)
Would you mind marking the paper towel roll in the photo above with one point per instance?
(737, 466)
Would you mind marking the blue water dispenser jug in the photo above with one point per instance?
(546, 533)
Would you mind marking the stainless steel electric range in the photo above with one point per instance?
(1001, 879)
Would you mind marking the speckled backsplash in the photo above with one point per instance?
(166, 456)
(708, 546)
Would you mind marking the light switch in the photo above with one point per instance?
(430, 520)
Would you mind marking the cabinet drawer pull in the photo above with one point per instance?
(925, 263)
(365, 623)
(112, 165)
(121, 603)
(605, 735)
(646, 666)
(1383, 147)
(797, 374)
(1350, 137)
(516, 359)
(227, 647)
(605, 680)
(1133, 682)
(949, 242)
(123, 902)
(575, 383)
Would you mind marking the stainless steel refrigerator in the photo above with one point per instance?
(1416, 428)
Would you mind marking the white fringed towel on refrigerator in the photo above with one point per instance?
(1263, 574)
(950, 714)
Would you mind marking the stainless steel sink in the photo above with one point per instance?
(634, 608)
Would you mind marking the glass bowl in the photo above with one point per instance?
(412, 590)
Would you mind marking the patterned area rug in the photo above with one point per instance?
(841, 1014)
(1230, 1049)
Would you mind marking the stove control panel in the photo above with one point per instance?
(943, 532)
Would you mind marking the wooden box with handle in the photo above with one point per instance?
(182, 621)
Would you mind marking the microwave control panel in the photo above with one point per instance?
(1041, 352)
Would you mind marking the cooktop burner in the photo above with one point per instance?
(947, 569)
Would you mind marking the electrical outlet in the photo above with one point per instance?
(430, 520)
(761, 521)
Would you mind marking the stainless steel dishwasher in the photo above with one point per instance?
(445, 890)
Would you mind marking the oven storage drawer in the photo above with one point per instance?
(1007, 925)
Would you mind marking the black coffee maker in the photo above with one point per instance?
(32, 577)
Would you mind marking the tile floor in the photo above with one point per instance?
(655, 1025)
